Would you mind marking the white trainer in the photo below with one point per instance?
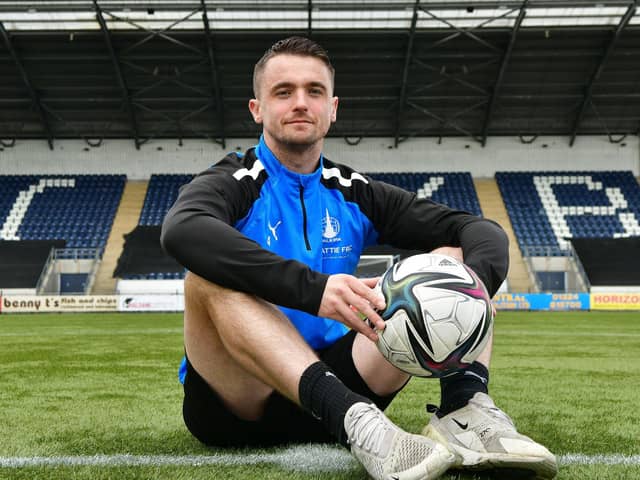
(389, 453)
(484, 437)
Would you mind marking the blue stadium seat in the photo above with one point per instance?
(66, 207)
(161, 194)
(453, 189)
(559, 205)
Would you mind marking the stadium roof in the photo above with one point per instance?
(182, 69)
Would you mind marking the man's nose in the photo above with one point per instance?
(301, 100)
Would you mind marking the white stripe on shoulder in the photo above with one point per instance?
(253, 173)
(328, 173)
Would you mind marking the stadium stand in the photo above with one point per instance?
(77, 208)
(143, 258)
(454, 189)
(161, 193)
(519, 278)
(126, 220)
(548, 208)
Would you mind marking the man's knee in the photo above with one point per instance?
(200, 289)
(201, 293)
(195, 285)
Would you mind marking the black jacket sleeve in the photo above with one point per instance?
(485, 247)
(198, 233)
(406, 221)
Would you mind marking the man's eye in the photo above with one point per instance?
(315, 91)
(282, 93)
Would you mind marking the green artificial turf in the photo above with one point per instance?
(106, 384)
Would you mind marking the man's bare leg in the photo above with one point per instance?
(244, 348)
(379, 375)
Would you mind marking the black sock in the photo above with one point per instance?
(324, 396)
(457, 389)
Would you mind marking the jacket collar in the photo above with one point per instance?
(276, 169)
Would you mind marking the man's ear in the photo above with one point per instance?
(334, 109)
(254, 108)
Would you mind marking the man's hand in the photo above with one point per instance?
(350, 300)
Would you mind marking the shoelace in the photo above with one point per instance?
(369, 429)
(495, 412)
(498, 414)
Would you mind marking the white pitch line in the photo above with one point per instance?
(95, 333)
(550, 333)
(309, 458)
(611, 459)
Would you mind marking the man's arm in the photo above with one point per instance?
(198, 233)
(406, 221)
(485, 248)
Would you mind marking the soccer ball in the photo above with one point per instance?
(438, 315)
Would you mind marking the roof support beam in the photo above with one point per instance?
(213, 69)
(501, 71)
(588, 95)
(444, 122)
(35, 98)
(405, 74)
(126, 97)
(309, 18)
(458, 31)
(178, 122)
(158, 33)
(468, 31)
(453, 78)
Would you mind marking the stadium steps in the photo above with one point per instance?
(126, 220)
(493, 208)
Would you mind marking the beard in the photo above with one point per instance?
(297, 140)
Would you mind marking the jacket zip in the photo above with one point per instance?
(304, 219)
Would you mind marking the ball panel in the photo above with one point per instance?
(438, 304)
(395, 345)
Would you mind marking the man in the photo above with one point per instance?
(276, 348)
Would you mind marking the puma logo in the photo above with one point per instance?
(274, 228)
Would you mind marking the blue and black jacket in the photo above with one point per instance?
(249, 224)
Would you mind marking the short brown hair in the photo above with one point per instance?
(292, 46)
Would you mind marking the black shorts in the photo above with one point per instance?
(283, 422)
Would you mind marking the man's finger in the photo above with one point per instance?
(370, 282)
(375, 319)
(367, 313)
(366, 291)
(357, 322)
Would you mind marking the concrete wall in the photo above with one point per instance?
(371, 155)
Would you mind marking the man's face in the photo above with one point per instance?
(295, 103)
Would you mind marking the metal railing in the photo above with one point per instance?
(573, 266)
(533, 278)
(91, 277)
(56, 254)
(579, 269)
(46, 270)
